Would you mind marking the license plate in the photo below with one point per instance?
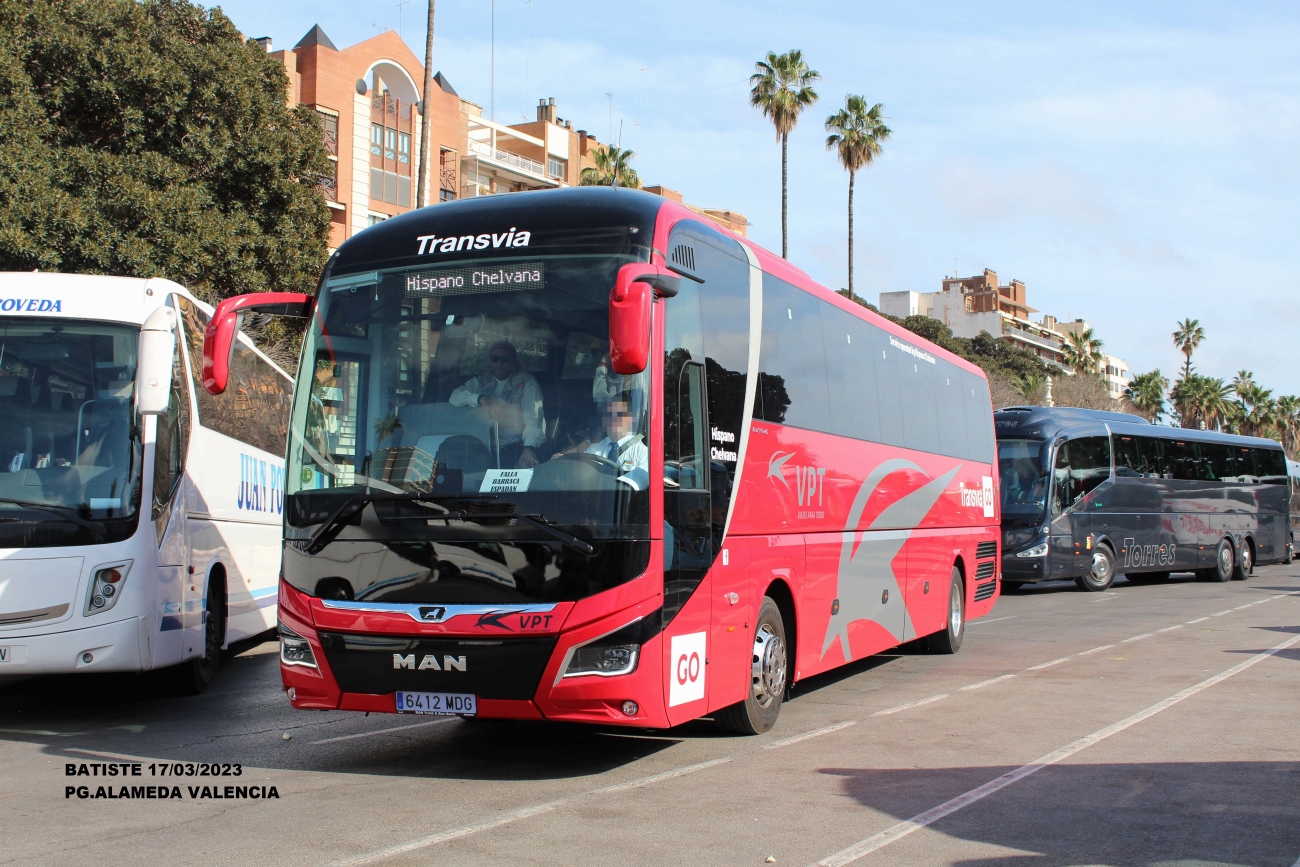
(437, 703)
(13, 654)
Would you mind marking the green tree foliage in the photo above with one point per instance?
(147, 138)
(613, 168)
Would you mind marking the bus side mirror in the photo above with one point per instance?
(634, 291)
(153, 372)
(219, 337)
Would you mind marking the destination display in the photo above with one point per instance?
(474, 280)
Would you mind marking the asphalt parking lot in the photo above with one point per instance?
(1148, 725)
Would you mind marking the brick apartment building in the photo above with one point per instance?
(368, 99)
(969, 305)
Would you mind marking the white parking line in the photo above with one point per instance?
(515, 816)
(1138, 637)
(983, 683)
(812, 734)
(418, 725)
(903, 707)
(1095, 650)
(1171, 628)
(916, 823)
(994, 620)
(1197, 620)
(1043, 665)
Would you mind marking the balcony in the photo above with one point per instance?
(1014, 333)
(513, 160)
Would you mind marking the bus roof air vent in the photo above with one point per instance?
(682, 261)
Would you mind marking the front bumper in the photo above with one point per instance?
(1022, 570)
(118, 646)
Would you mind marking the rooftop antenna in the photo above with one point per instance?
(399, 16)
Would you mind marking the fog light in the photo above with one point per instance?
(630, 708)
(293, 694)
(106, 585)
(108, 590)
(97, 601)
(87, 658)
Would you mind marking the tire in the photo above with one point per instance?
(1102, 573)
(1225, 563)
(196, 675)
(769, 676)
(1245, 562)
(948, 639)
(1290, 552)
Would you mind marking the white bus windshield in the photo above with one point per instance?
(69, 446)
(484, 385)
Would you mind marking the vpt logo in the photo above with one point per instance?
(261, 486)
(808, 482)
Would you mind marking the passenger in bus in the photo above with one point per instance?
(622, 444)
(606, 384)
(513, 399)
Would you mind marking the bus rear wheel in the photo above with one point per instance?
(767, 681)
(1102, 573)
(1224, 564)
(948, 640)
(1245, 562)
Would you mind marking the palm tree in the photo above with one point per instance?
(1147, 393)
(1287, 415)
(1258, 409)
(1082, 351)
(1187, 336)
(856, 133)
(782, 87)
(613, 169)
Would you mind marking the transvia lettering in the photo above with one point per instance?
(431, 244)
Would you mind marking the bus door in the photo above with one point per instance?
(1061, 552)
(171, 447)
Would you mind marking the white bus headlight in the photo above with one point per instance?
(106, 586)
(294, 649)
(1039, 550)
(612, 654)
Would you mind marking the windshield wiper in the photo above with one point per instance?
(351, 506)
(537, 520)
(62, 511)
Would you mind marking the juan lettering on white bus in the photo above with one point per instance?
(139, 515)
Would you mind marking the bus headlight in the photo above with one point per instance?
(1039, 550)
(106, 586)
(611, 654)
(294, 649)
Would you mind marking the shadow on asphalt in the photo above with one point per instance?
(1202, 813)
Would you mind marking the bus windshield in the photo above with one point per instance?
(1025, 477)
(482, 387)
(69, 446)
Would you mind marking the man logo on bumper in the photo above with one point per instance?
(449, 663)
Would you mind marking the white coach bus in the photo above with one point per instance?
(139, 515)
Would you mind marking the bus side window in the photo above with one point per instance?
(1128, 458)
(1090, 463)
(1062, 481)
(171, 440)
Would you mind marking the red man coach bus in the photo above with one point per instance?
(580, 455)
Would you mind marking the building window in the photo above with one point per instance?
(376, 140)
(556, 169)
(403, 148)
(446, 195)
(374, 219)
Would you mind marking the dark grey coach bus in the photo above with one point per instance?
(1087, 495)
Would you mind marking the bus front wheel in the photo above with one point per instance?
(196, 675)
(767, 677)
(1102, 572)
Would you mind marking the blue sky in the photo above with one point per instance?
(1132, 164)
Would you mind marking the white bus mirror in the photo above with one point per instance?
(154, 369)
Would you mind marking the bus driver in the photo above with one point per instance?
(513, 399)
(621, 444)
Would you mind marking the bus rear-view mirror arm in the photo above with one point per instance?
(219, 337)
(153, 372)
(635, 289)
